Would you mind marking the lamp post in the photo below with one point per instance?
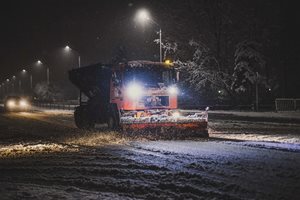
(13, 83)
(23, 73)
(143, 16)
(31, 86)
(39, 62)
(68, 49)
(256, 91)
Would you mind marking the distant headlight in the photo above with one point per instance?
(134, 90)
(173, 90)
(11, 103)
(23, 103)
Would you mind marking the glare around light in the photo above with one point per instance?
(168, 62)
(23, 103)
(67, 48)
(173, 90)
(39, 62)
(24, 70)
(134, 90)
(142, 16)
(11, 104)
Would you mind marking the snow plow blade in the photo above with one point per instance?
(166, 125)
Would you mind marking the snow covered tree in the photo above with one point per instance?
(203, 73)
(249, 68)
(48, 92)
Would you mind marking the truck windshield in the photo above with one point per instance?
(150, 76)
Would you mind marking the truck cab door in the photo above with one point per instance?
(116, 86)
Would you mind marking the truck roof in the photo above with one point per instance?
(141, 63)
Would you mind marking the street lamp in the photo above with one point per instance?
(143, 16)
(13, 83)
(68, 49)
(39, 62)
(23, 73)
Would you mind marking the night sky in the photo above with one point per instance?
(32, 30)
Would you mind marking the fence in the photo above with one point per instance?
(262, 107)
(284, 104)
(71, 106)
(62, 106)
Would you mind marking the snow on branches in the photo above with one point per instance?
(249, 66)
(203, 69)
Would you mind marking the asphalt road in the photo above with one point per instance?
(44, 156)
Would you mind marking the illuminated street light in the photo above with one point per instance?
(24, 71)
(39, 62)
(68, 49)
(143, 16)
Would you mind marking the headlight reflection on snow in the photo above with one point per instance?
(31, 149)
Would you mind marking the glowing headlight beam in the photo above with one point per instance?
(11, 104)
(23, 103)
(173, 90)
(134, 90)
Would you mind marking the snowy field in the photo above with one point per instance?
(248, 156)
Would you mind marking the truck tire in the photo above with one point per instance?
(82, 119)
(113, 117)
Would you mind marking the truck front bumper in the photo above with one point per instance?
(166, 122)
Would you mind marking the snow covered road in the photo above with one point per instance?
(43, 156)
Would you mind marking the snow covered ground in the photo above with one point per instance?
(43, 156)
(256, 126)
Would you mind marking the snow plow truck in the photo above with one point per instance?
(132, 97)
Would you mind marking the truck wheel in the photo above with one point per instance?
(82, 119)
(113, 118)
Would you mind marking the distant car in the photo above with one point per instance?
(16, 103)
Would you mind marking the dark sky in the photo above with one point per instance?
(32, 30)
(38, 29)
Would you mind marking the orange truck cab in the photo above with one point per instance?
(133, 96)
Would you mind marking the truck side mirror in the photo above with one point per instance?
(177, 76)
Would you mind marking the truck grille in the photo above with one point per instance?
(155, 101)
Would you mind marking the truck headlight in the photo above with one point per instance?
(23, 103)
(173, 90)
(134, 90)
(11, 103)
